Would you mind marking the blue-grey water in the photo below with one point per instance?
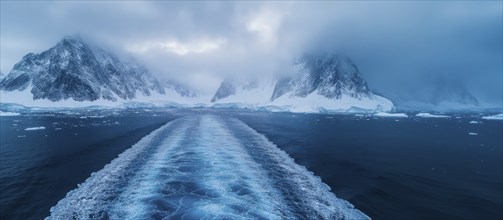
(413, 168)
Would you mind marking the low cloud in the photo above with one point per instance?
(201, 43)
(177, 47)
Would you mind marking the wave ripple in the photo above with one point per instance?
(203, 167)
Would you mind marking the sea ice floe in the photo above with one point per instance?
(395, 115)
(493, 117)
(2, 114)
(429, 115)
(35, 128)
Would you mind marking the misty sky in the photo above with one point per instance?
(394, 44)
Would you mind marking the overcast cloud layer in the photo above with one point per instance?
(395, 44)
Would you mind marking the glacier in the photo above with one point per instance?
(493, 117)
(429, 115)
(203, 166)
(5, 114)
(314, 103)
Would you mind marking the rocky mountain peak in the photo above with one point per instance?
(329, 75)
(72, 69)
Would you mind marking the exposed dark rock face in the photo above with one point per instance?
(450, 91)
(180, 88)
(329, 75)
(227, 88)
(74, 70)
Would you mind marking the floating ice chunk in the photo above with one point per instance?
(474, 122)
(493, 117)
(9, 113)
(92, 116)
(473, 133)
(393, 115)
(97, 116)
(35, 128)
(429, 115)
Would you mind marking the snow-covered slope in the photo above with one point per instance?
(493, 117)
(251, 92)
(180, 88)
(319, 103)
(451, 91)
(435, 93)
(319, 83)
(74, 72)
(327, 75)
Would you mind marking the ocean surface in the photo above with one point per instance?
(388, 168)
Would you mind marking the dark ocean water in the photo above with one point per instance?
(39, 167)
(412, 168)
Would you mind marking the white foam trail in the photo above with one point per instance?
(203, 167)
(305, 193)
(92, 198)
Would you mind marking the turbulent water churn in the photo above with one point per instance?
(203, 166)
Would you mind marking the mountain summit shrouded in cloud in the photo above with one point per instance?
(200, 44)
(317, 83)
(72, 69)
(75, 70)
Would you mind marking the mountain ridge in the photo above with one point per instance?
(320, 82)
(76, 70)
(73, 69)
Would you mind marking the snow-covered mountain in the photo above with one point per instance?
(253, 92)
(437, 93)
(73, 69)
(180, 88)
(327, 75)
(325, 82)
(448, 91)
